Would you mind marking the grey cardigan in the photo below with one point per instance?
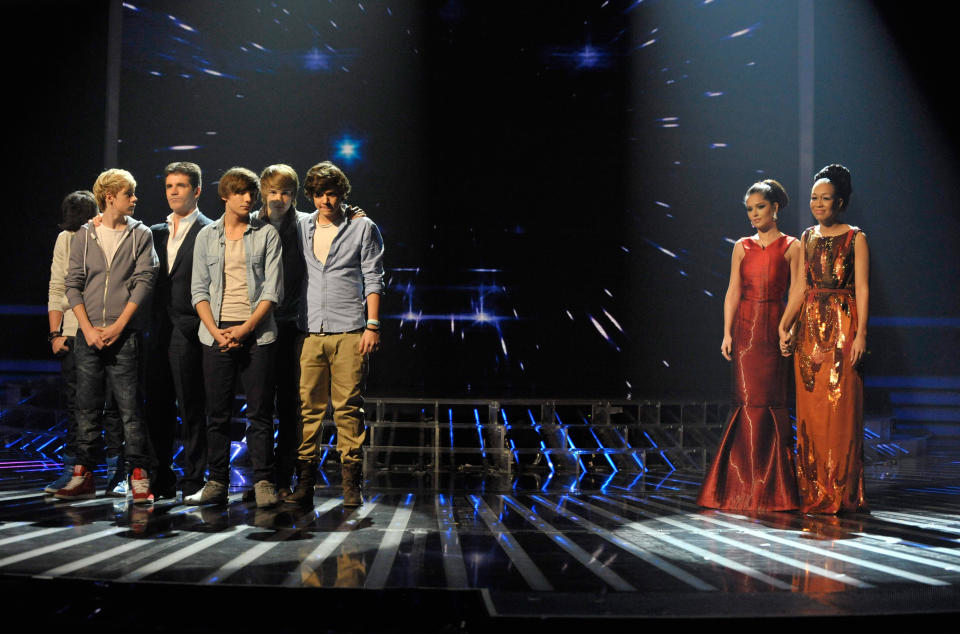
(104, 289)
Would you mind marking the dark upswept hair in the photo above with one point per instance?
(324, 176)
(190, 170)
(838, 176)
(237, 180)
(77, 208)
(771, 190)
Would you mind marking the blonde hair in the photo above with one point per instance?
(279, 175)
(112, 182)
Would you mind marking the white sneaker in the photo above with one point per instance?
(122, 489)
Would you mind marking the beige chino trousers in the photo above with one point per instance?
(333, 373)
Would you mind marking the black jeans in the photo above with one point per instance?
(253, 364)
(115, 370)
(287, 394)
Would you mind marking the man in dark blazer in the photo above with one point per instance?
(175, 370)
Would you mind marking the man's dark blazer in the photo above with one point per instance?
(171, 293)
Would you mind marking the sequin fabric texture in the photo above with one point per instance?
(829, 388)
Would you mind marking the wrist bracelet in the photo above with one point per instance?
(376, 330)
(54, 334)
(373, 322)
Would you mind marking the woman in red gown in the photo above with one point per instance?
(753, 469)
(830, 341)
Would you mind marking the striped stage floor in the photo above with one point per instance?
(621, 548)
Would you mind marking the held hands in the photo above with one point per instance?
(726, 348)
(369, 341)
(786, 342)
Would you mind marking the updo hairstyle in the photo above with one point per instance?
(771, 190)
(838, 176)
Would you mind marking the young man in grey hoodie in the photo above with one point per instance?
(111, 274)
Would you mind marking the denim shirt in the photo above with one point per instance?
(261, 245)
(334, 292)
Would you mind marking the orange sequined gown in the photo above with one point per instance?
(753, 468)
(829, 389)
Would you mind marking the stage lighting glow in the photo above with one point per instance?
(742, 32)
(314, 60)
(182, 148)
(348, 149)
(127, 5)
(711, 93)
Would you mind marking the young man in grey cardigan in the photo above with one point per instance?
(111, 274)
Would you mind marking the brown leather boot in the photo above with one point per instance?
(352, 482)
(306, 480)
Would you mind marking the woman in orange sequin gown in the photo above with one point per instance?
(829, 343)
(753, 469)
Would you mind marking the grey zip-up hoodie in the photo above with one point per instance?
(103, 289)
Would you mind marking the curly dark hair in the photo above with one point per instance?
(838, 176)
(324, 176)
(77, 208)
(772, 191)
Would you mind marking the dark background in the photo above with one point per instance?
(558, 184)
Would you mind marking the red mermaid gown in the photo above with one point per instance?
(754, 468)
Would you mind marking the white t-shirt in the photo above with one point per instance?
(109, 239)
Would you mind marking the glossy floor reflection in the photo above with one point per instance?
(613, 546)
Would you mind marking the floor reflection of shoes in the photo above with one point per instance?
(140, 518)
(265, 517)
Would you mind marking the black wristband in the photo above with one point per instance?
(376, 330)
(54, 334)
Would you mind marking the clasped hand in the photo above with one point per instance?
(231, 337)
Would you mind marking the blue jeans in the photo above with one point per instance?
(114, 369)
(112, 427)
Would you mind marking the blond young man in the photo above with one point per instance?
(278, 194)
(111, 274)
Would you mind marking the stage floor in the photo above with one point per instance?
(633, 547)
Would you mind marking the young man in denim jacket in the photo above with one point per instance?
(237, 281)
